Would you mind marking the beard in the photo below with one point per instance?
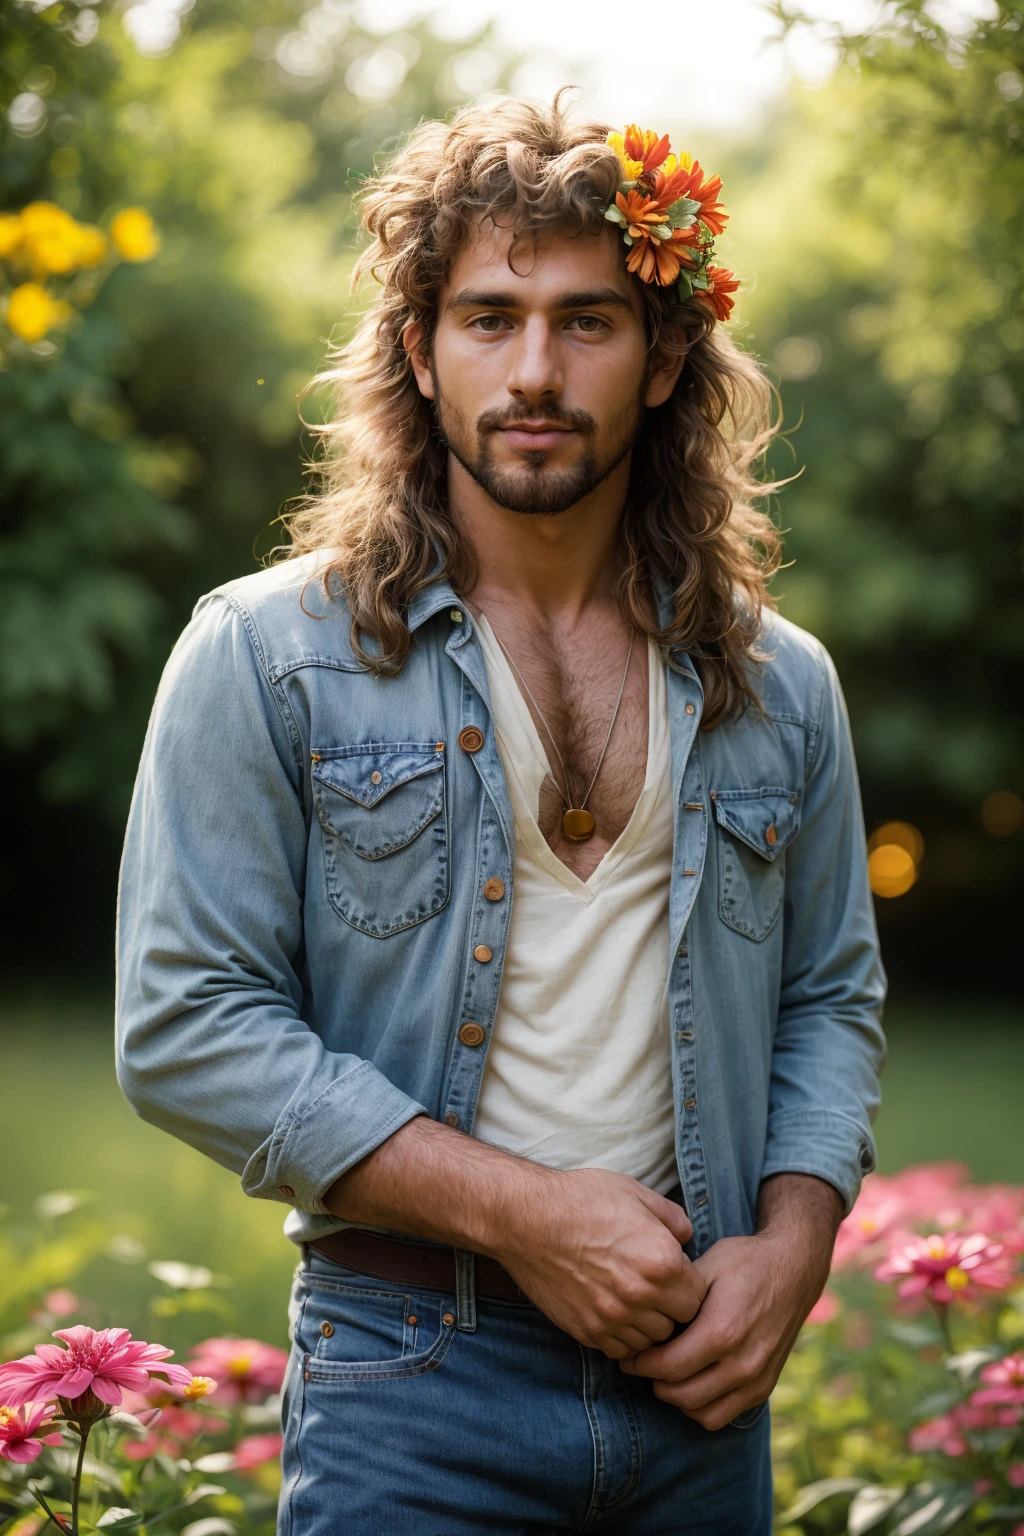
(533, 487)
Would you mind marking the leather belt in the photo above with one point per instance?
(414, 1264)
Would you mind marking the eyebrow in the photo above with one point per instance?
(587, 298)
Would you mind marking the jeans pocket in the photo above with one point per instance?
(383, 814)
(750, 1416)
(362, 1331)
(755, 826)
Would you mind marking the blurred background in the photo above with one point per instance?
(149, 438)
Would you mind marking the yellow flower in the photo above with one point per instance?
(134, 234)
(31, 312)
(199, 1386)
(44, 219)
(10, 233)
(50, 237)
(91, 245)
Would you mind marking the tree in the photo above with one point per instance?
(883, 217)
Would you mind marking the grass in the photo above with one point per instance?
(952, 1088)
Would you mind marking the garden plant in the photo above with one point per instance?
(901, 1410)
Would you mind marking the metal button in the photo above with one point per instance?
(375, 777)
(471, 1034)
(412, 1319)
(471, 738)
(494, 889)
(771, 836)
(689, 709)
(456, 615)
(452, 1119)
(438, 746)
(482, 953)
(286, 1189)
(448, 1319)
(327, 1329)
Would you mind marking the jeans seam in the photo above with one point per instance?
(594, 1507)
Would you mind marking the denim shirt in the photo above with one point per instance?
(312, 858)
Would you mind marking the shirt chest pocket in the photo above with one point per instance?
(755, 827)
(383, 815)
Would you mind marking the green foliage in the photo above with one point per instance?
(142, 461)
(883, 219)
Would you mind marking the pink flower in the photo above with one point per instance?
(1015, 1474)
(1006, 1382)
(61, 1303)
(247, 1370)
(254, 1450)
(176, 1428)
(103, 1363)
(948, 1432)
(891, 1201)
(827, 1307)
(941, 1434)
(23, 1435)
(943, 1266)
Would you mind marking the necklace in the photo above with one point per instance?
(577, 822)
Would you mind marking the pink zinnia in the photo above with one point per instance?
(943, 1266)
(23, 1435)
(254, 1450)
(247, 1370)
(948, 1432)
(104, 1363)
(826, 1308)
(1005, 1382)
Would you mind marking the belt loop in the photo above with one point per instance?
(465, 1291)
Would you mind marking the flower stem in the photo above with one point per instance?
(942, 1313)
(76, 1486)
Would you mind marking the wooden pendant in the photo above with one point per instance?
(578, 826)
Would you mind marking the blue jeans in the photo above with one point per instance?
(400, 1422)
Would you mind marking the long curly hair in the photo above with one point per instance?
(691, 521)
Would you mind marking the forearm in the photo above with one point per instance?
(431, 1181)
(803, 1214)
(599, 1253)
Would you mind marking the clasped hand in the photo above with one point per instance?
(609, 1269)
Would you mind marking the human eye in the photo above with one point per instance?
(588, 325)
(489, 324)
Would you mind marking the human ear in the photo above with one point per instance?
(663, 381)
(412, 341)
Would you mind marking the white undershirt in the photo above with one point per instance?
(579, 1069)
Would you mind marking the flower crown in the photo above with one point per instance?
(670, 215)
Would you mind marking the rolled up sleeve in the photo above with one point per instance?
(829, 1047)
(211, 1045)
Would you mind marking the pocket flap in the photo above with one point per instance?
(367, 774)
(767, 820)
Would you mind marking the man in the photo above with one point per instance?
(495, 888)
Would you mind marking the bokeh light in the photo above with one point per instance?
(895, 851)
(1002, 813)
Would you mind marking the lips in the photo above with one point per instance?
(535, 437)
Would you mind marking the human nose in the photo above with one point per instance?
(535, 373)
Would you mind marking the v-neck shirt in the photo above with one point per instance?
(578, 1072)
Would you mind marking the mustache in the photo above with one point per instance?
(558, 415)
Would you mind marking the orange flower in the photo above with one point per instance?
(639, 150)
(640, 214)
(660, 261)
(692, 185)
(721, 283)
